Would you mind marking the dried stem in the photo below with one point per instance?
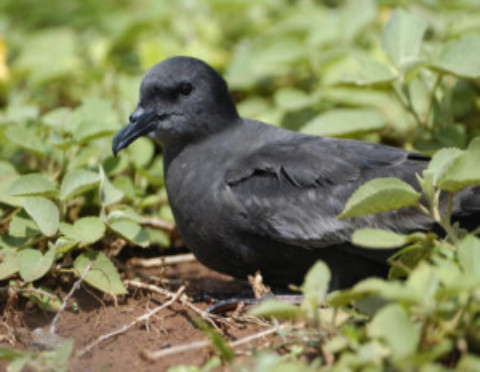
(155, 355)
(126, 327)
(162, 261)
(75, 286)
(159, 224)
(183, 299)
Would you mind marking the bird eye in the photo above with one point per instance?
(185, 88)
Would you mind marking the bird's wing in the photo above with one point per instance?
(291, 191)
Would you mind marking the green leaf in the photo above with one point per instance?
(315, 286)
(130, 231)
(441, 161)
(8, 263)
(273, 308)
(463, 171)
(8, 175)
(85, 230)
(33, 184)
(102, 274)
(22, 226)
(377, 238)
(380, 195)
(57, 117)
(78, 181)
(356, 16)
(469, 255)
(359, 70)
(44, 212)
(26, 138)
(402, 38)
(49, 54)
(292, 99)
(32, 264)
(460, 57)
(109, 194)
(93, 119)
(393, 325)
(423, 282)
(343, 122)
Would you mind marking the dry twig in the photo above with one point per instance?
(75, 286)
(155, 355)
(184, 300)
(159, 224)
(126, 327)
(162, 261)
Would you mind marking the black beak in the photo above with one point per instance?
(141, 123)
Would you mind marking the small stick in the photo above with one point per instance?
(159, 224)
(162, 261)
(184, 300)
(155, 355)
(75, 286)
(126, 327)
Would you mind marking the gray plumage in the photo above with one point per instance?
(248, 196)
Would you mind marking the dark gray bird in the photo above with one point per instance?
(248, 196)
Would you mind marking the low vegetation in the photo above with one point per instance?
(404, 73)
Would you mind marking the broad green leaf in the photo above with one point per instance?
(402, 38)
(77, 182)
(292, 99)
(342, 122)
(44, 212)
(85, 230)
(463, 171)
(441, 161)
(93, 119)
(6, 182)
(27, 138)
(274, 308)
(102, 273)
(377, 238)
(124, 212)
(32, 264)
(130, 231)
(85, 156)
(355, 16)
(360, 70)
(389, 290)
(22, 226)
(63, 245)
(109, 194)
(392, 325)
(33, 184)
(49, 54)
(315, 286)
(423, 282)
(8, 263)
(460, 57)
(380, 195)
(469, 255)
(20, 113)
(57, 117)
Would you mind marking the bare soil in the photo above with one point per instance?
(95, 316)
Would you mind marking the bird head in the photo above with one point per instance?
(182, 99)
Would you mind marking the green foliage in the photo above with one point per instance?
(400, 72)
(380, 195)
(54, 361)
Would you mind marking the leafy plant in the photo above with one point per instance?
(398, 72)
